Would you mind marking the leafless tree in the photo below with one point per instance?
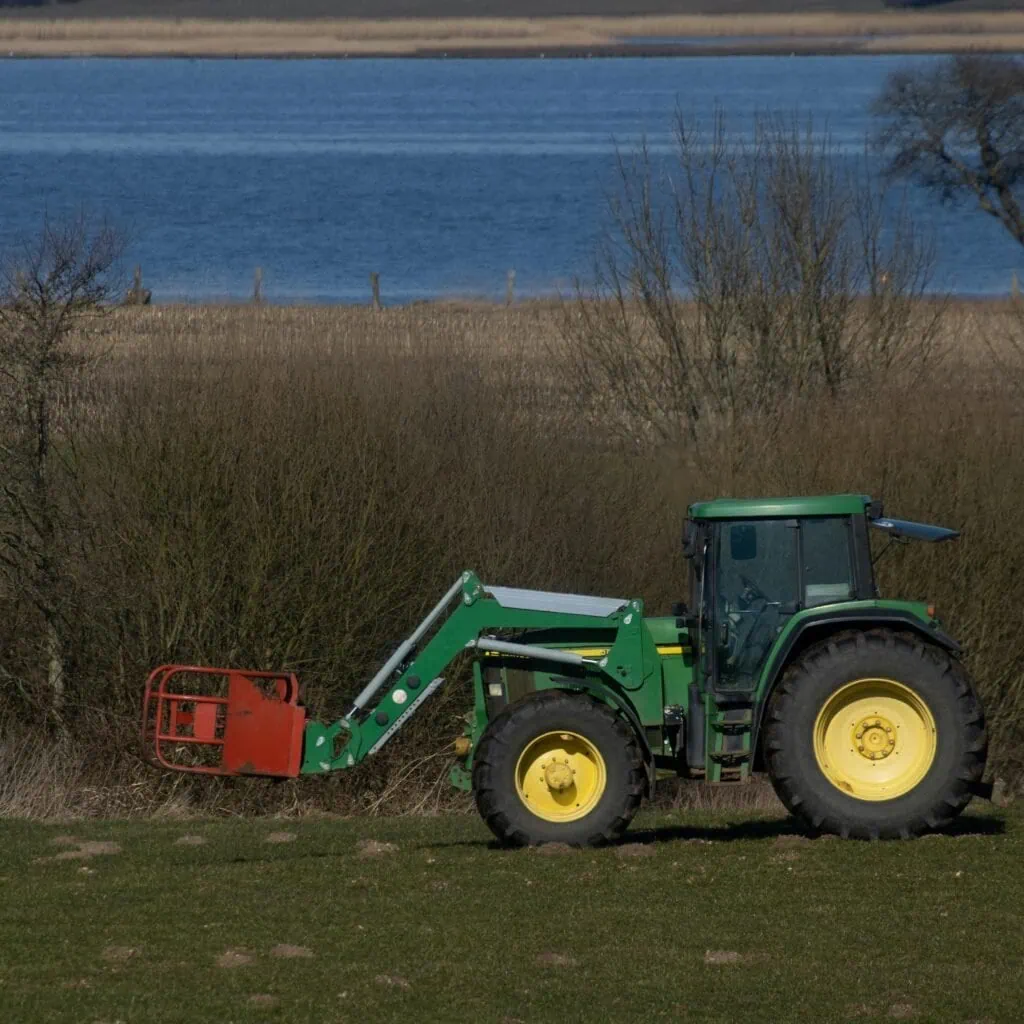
(51, 293)
(750, 275)
(957, 128)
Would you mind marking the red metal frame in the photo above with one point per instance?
(252, 729)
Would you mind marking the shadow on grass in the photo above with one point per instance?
(774, 828)
(757, 829)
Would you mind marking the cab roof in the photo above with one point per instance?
(787, 508)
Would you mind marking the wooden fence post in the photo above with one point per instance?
(510, 288)
(257, 286)
(375, 288)
(137, 295)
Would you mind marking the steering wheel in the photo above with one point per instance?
(751, 591)
(752, 594)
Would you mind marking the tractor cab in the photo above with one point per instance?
(758, 567)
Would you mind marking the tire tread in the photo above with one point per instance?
(828, 816)
(493, 801)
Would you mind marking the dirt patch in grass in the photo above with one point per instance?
(393, 981)
(233, 958)
(286, 950)
(722, 956)
(902, 1011)
(87, 849)
(555, 849)
(786, 855)
(262, 999)
(788, 842)
(634, 850)
(373, 848)
(280, 837)
(557, 960)
(190, 841)
(120, 954)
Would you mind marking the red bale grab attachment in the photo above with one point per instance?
(249, 723)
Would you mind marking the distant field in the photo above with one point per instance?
(710, 919)
(196, 30)
(300, 9)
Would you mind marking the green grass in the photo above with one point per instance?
(714, 920)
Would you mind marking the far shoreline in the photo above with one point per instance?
(609, 52)
(822, 34)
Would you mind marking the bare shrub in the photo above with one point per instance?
(957, 128)
(51, 293)
(748, 277)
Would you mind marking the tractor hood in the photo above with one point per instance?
(903, 528)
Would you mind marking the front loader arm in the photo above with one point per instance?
(235, 722)
(402, 685)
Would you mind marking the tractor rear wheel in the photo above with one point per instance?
(875, 735)
(558, 767)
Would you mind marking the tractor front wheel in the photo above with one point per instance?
(558, 767)
(875, 735)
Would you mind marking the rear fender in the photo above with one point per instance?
(812, 629)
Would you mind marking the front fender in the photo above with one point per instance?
(609, 694)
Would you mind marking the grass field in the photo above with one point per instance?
(878, 31)
(422, 919)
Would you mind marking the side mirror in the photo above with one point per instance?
(689, 539)
(743, 542)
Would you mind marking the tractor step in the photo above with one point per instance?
(227, 721)
(734, 721)
(731, 730)
(730, 757)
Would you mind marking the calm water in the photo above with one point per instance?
(439, 175)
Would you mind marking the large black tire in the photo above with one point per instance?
(513, 731)
(937, 680)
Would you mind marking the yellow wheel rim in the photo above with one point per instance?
(560, 776)
(875, 739)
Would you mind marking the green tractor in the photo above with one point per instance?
(783, 659)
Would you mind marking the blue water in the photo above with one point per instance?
(440, 175)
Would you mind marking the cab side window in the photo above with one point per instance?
(827, 567)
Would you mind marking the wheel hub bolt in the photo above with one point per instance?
(874, 737)
(558, 776)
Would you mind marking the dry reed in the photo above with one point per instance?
(292, 488)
